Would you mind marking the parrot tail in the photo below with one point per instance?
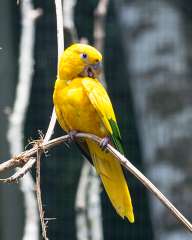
(111, 174)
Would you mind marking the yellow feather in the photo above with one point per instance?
(113, 180)
(82, 104)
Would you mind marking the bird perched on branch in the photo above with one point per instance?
(82, 104)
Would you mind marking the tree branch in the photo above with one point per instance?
(21, 172)
(38, 193)
(18, 115)
(123, 160)
(50, 130)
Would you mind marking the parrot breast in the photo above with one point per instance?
(77, 111)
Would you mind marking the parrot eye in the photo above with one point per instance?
(84, 56)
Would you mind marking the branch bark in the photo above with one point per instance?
(81, 203)
(60, 43)
(38, 193)
(50, 130)
(123, 160)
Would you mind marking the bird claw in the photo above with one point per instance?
(104, 142)
(72, 135)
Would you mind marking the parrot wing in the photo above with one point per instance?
(106, 165)
(101, 102)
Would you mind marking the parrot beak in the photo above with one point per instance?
(97, 66)
(93, 70)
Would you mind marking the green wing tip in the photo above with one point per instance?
(116, 137)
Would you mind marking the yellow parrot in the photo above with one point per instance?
(82, 104)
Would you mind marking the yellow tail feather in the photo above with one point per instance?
(113, 180)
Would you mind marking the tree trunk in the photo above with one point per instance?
(156, 53)
(11, 198)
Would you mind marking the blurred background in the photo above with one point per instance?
(147, 64)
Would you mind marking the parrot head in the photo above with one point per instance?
(80, 60)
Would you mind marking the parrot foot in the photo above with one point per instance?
(104, 142)
(72, 134)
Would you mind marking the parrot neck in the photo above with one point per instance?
(65, 75)
(60, 84)
(66, 71)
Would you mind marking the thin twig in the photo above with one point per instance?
(38, 193)
(60, 43)
(124, 161)
(25, 156)
(81, 203)
(50, 130)
(10, 164)
(141, 177)
(21, 172)
(60, 35)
